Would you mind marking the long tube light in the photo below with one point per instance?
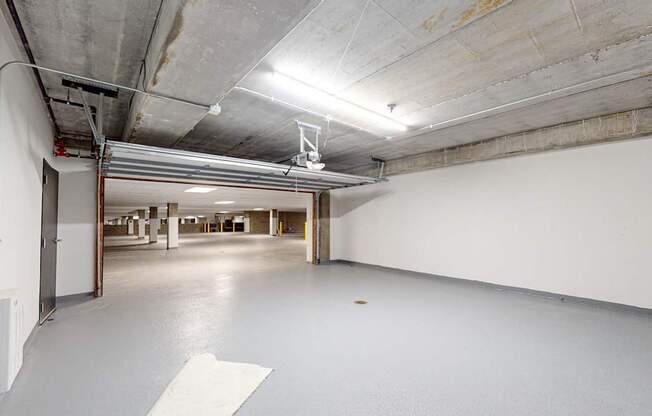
(302, 109)
(335, 104)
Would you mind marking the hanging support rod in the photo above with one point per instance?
(109, 84)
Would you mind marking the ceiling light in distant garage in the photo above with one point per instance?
(199, 190)
(335, 104)
(259, 209)
(224, 202)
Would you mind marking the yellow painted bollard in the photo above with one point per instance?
(221, 227)
(280, 228)
(305, 230)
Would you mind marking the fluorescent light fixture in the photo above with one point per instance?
(199, 190)
(335, 104)
(189, 217)
(224, 202)
(259, 209)
(201, 216)
(224, 212)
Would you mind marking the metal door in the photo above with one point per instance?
(49, 240)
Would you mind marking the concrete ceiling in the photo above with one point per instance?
(123, 197)
(475, 69)
(105, 40)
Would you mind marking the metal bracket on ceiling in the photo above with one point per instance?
(97, 124)
(381, 166)
(303, 140)
(308, 158)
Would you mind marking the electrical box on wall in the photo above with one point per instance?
(11, 349)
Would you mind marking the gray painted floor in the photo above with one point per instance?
(421, 346)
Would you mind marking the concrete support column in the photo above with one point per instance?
(309, 219)
(130, 225)
(273, 222)
(154, 223)
(247, 224)
(324, 227)
(173, 225)
(141, 223)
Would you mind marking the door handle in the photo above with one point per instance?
(57, 240)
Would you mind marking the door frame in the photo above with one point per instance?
(99, 264)
(45, 317)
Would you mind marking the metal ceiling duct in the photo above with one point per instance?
(134, 161)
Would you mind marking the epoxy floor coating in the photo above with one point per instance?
(420, 346)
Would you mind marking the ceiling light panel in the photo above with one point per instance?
(317, 99)
(200, 190)
(224, 202)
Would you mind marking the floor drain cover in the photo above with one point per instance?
(361, 302)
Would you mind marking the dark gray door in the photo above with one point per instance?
(49, 241)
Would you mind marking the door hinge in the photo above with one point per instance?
(41, 307)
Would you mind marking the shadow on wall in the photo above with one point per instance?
(348, 203)
(23, 127)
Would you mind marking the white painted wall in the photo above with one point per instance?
(25, 139)
(77, 230)
(575, 222)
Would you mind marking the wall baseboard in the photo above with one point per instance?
(74, 297)
(514, 289)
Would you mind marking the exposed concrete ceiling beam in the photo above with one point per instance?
(614, 127)
(606, 66)
(199, 51)
(100, 39)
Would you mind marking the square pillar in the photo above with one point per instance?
(173, 225)
(130, 226)
(273, 222)
(141, 223)
(247, 224)
(154, 223)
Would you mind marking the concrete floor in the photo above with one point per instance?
(421, 346)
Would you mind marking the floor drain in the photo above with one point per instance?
(360, 302)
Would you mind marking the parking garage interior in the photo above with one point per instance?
(325, 207)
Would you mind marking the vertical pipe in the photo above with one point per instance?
(99, 254)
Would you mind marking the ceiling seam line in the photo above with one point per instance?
(348, 44)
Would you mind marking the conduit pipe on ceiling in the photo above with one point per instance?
(110, 84)
(585, 86)
(298, 107)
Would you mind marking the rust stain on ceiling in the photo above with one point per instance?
(166, 57)
(430, 23)
(481, 8)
